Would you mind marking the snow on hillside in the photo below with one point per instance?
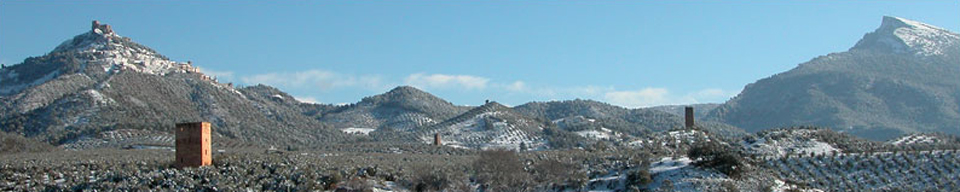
(674, 138)
(486, 130)
(920, 37)
(915, 139)
(359, 131)
(121, 138)
(783, 147)
(409, 121)
(677, 174)
(115, 52)
(98, 97)
(780, 186)
(10, 75)
(669, 164)
(572, 120)
(681, 136)
(935, 170)
(96, 52)
(603, 134)
(783, 142)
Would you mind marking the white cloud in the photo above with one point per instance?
(649, 97)
(324, 80)
(639, 98)
(321, 79)
(552, 93)
(446, 81)
(517, 86)
(711, 92)
(565, 93)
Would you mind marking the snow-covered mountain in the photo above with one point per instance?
(101, 50)
(901, 78)
(899, 35)
(100, 82)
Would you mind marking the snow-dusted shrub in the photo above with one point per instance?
(718, 157)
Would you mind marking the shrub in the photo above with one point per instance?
(427, 177)
(556, 174)
(718, 157)
(639, 177)
(333, 180)
(501, 170)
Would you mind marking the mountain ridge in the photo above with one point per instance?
(880, 88)
(101, 82)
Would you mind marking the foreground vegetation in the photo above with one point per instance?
(795, 159)
(264, 169)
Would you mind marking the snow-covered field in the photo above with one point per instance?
(601, 134)
(783, 147)
(486, 130)
(355, 130)
(915, 139)
(782, 142)
(938, 170)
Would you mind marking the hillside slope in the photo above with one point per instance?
(491, 125)
(570, 115)
(401, 109)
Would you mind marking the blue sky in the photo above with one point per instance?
(628, 53)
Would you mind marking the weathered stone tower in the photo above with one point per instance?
(104, 28)
(193, 144)
(688, 116)
(436, 139)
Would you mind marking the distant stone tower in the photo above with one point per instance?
(688, 116)
(436, 139)
(193, 144)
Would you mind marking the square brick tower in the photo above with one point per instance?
(688, 116)
(193, 144)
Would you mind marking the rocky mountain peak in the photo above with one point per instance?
(100, 36)
(899, 35)
(111, 52)
(98, 53)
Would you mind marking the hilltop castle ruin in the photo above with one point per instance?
(103, 29)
